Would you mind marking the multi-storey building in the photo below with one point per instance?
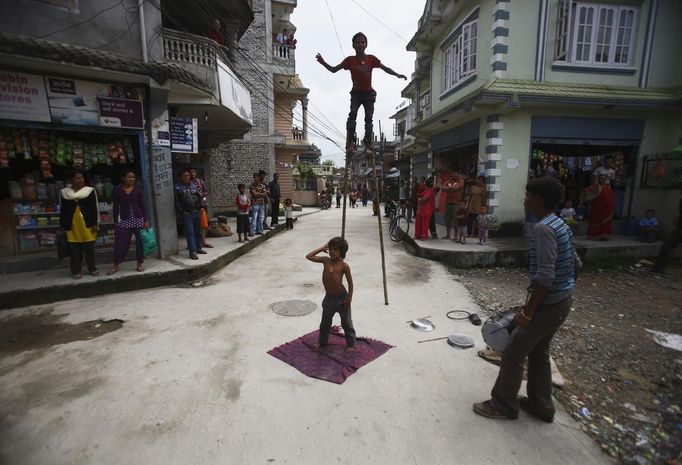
(276, 140)
(107, 88)
(514, 89)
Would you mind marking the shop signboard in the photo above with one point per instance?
(233, 94)
(160, 130)
(184, 135)
(86, 103)
(120, 113)
(23, 97)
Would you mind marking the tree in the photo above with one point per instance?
(328, 162)
(306, 173)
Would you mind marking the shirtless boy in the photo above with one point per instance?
(337, 299)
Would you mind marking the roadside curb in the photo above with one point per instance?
(82, 289)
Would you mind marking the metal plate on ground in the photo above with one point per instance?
(293, 307)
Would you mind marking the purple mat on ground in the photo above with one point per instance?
(331, 363)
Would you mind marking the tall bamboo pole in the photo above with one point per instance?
(345, 195)
(381, 232)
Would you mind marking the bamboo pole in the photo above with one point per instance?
(345, 195)
(381, 232)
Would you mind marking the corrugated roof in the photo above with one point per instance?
(583, 91)
(74, 54)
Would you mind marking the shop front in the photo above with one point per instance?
(571, 149)
(50, 126)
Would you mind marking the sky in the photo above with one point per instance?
(329, 93)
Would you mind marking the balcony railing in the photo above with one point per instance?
(283, 52)
(180, 47)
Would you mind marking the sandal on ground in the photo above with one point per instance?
(488, 410)
(527, 406)
(140, 267)
(114, 269)
(208, 246)
(77, 276)
(94, 273)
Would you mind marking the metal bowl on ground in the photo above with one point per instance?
(460, 341)
(422, 324)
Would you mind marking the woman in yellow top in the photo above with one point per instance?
(79, 217)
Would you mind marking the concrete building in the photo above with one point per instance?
(276, 140)
(512, 89)
(135, 86)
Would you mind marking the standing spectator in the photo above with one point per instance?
(266, 202)
(289, 213)
(424, 211)
(215, 33)
(672, 241)
(553, 264)
(403, 195)
(432, 220)
(275, 196)
(606, 170)
(602, 203)
(461, 233)
(365, 196)
(243, 203)
(79, 218)
(476, 201)
(130, 215)
(188, 208)
(338, 197)
(453, 195)
(203, 194)
(483, 221)
(258, 195)
(282, 37)
(568, 212)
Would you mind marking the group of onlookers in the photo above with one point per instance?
(465, 212)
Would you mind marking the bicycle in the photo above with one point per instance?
(399, 227)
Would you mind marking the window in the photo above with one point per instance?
(459, 61)
(595, 34)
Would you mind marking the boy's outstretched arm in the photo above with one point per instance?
(312, 255)
(393, 73)
(333, 69)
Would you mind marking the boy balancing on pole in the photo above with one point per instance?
(360, 67)
(337, 299)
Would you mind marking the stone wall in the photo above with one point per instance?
(233, 163)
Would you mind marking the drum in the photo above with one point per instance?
(497, 329)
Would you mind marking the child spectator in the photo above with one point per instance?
(568, 213)
(289, 213)
(362, 94)
(648, 227)
(243, 202)
(483, 221)
(337, 299)
(461, 234)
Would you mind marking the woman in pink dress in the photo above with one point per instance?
(426, 206)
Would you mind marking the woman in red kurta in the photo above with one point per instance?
(427, 205)
(602, 203)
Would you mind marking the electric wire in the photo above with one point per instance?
(84, 21)
(343, 54)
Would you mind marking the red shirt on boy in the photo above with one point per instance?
(361, 71)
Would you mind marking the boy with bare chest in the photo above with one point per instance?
(337, 299)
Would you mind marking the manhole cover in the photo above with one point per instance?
(293, 307)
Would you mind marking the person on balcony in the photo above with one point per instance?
(215, 33)
(283, 37)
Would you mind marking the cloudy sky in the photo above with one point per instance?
(329, 93)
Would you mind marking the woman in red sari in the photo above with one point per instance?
(602, 203)
(426, 206)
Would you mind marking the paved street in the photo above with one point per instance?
(187, 380)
